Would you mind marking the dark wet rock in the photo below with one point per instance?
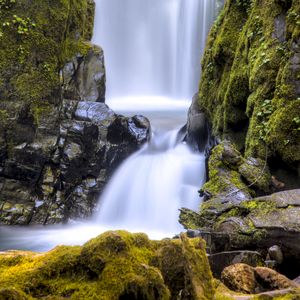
(219, 261)
(197, 126)
(84, 77)
(57, 171)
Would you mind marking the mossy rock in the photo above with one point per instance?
(115, 265)
(250, 85)
(233, 178)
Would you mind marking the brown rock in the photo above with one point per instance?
(272, 280)
(249, 280)
(240, 278)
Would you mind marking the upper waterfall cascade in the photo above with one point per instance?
(153, 47)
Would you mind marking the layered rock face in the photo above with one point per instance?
(250, 83)
(59, 141)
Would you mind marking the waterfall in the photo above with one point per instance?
(153, 47)
(152, 50)
(149, 188)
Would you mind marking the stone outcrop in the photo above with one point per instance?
(59, 172)
(259, 224)
(59, 142)
(250, 82)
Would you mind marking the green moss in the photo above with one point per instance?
(36, 39)
(116, 264)
(223, 176)
(245, 65)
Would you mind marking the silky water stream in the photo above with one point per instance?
(152, 52)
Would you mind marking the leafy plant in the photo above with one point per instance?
(23, 25)
(264, 115)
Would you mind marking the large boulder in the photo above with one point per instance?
(115, 265)
(249, 280)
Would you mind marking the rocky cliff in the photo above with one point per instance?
(250, 87)
(250, 94)
(59, 141)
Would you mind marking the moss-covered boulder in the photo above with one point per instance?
(257, 224)
(232, 178)
(250, 86)
(115, 265)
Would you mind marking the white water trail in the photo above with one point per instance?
(147, 191)
(153, 50)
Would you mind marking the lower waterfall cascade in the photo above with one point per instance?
(152, 52)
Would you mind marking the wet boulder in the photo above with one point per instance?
(197, 129)
(83, 78)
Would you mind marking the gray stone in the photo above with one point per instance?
(197, 126)
(84, 77)
(280, 28)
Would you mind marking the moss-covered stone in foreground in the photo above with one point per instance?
(115, 265)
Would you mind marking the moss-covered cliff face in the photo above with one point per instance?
(36, 40)
(250, 87)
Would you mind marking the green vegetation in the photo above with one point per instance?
(249, 82)
(111, 266)
(36, 39)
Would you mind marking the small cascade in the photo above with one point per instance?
(149, 188)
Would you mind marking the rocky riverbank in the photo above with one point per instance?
(249, 93)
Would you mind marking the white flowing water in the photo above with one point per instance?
(153, 47)
(152, 52)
